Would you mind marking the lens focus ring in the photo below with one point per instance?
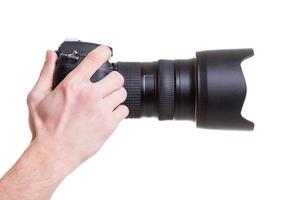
(133, 81)
(166, 88)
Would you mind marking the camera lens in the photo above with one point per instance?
(163, 89)
(209, 89)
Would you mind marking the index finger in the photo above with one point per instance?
(91, 63)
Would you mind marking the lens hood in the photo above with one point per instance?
(221, 89)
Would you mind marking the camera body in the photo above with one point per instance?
(209, 89)
(70, 54)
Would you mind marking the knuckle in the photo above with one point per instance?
(123, 92)
(123, 112)
(84, 95)
(77, 93)
(118, 78)
(69, 89)
(32, 97)
(68, 86)
(126, 111)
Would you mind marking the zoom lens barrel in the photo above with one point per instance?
(163, 89)
(209, 89)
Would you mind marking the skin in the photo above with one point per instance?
(68, 125)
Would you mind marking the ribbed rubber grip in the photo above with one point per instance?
(132, 74)
(166, 87)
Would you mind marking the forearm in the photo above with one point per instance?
(36, 174)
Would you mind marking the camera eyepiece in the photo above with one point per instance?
(209, 89)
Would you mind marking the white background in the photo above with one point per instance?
(148, 159)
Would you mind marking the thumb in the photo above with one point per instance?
(44, 83)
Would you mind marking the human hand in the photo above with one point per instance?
(77, 116)
(68, 124)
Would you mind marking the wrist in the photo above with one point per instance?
(40, 169)
(54, 156)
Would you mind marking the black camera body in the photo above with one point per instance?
(209, 89)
